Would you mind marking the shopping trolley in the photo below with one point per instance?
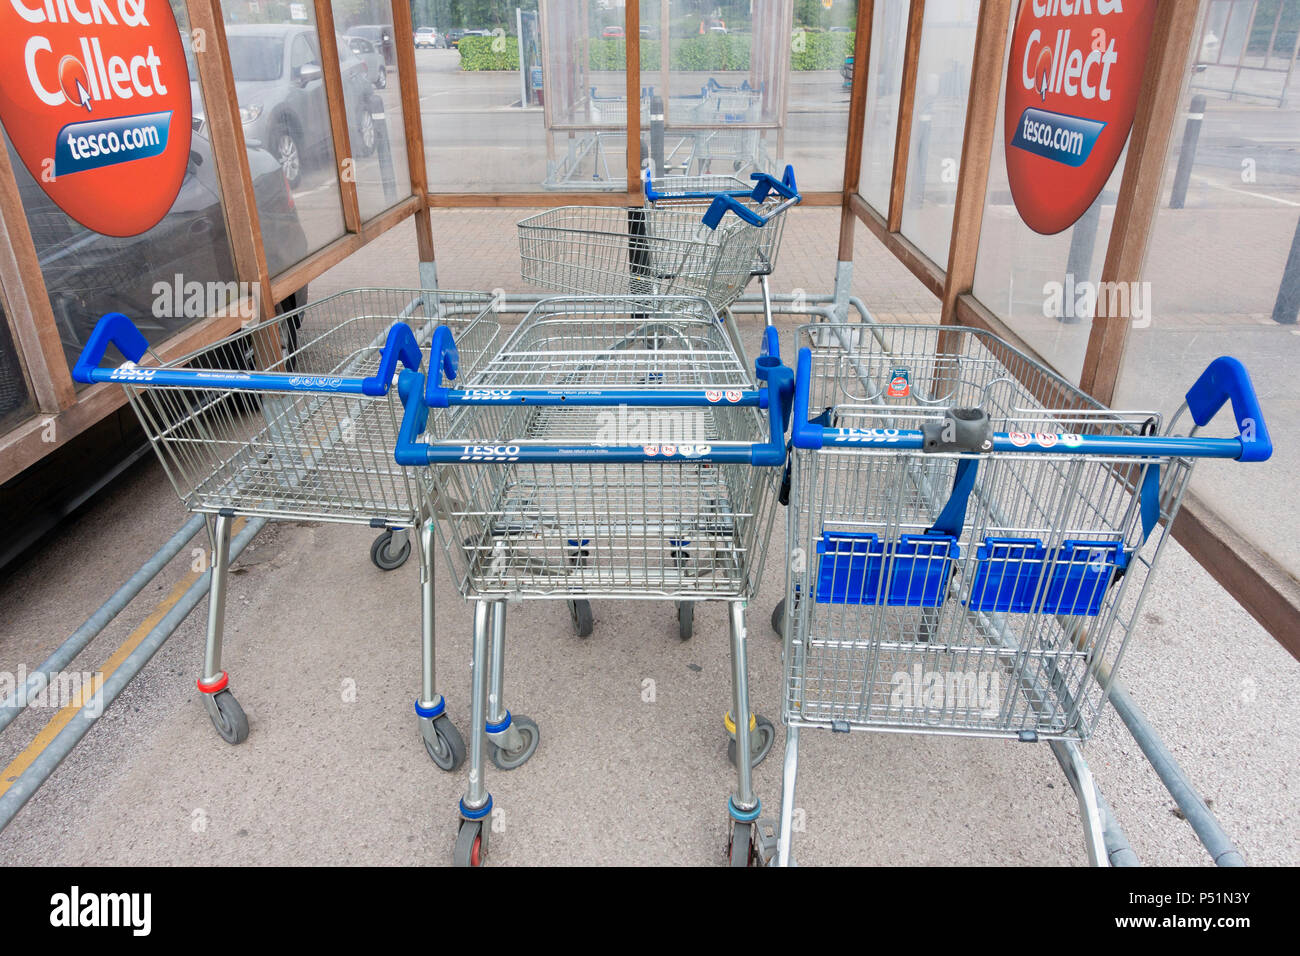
(291, 418)
(971, 539)
(648, 252)
(763, 193)
(614, 450)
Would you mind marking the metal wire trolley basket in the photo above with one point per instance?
(644, 252)
(292, 418)
(763, 193)
(972, 537)
(607, 449)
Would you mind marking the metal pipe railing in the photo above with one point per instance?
(40, 770)
(40, 678)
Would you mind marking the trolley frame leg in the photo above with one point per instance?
(744, 805)
(441, 739)
(500, 728)
(1070, 757)
(477, 802)
(789, 777)
(429, 696)
(212, 672)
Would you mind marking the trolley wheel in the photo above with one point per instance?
(778, 618)
(580, 611)
(227, 716)
(685, 619)
(387, 558)
(740, 847)
(760, 742)
(471, 844)
(449, 752)
(513, 759)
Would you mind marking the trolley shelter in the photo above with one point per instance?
(984, 494)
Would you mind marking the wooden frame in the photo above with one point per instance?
(327, 37)
(976, 153)
(906, 102)
(857, 122)
(1139, 190)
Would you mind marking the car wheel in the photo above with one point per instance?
(288, 151)
(366, 130)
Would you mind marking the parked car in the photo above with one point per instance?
(612, 32)
(381, 35)
(371, 58)
(470, 33)
(453, 36)
(429, 39)
(281, 91)
(840, 30)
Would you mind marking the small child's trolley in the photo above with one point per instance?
(971, 538)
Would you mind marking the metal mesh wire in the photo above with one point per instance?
(675, 529)
(960, 665)
(769, 236)
(324, 456)
(642, 252)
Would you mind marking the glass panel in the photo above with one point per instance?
(717, 75)
(888, 37)
(1224, 274)
(275, 56)
(165, 278)
(367, 54)
(821, 71)
(15, 398)
(506, 100)
(1042, 286)
(938, 122)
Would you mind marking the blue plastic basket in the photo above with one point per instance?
(1010, 572)
(859, 568)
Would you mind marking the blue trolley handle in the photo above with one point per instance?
(410, 452)
(766, 183)
(1224, 380)
(116, 329)
(444, 359)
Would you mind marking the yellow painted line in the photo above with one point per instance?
(69, 710)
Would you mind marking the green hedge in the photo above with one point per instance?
(820, 51)
(476, 53)
(714, 51)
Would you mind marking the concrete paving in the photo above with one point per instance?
(322, 649)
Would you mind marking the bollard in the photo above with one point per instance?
(1078, 264)
(1287, 307)
(1187, 155)
(657, 136)
(383, 151)
(916, 178)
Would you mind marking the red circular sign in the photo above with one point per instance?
(1072, 89)
(95, 97)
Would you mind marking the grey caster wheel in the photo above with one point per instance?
(778, 618)
(227, 716)
(760, 742)
(580, 612)
(529, 736)
(443, 742)
(387, 558)
(685, 619)
(471, 844)
(740, 846)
